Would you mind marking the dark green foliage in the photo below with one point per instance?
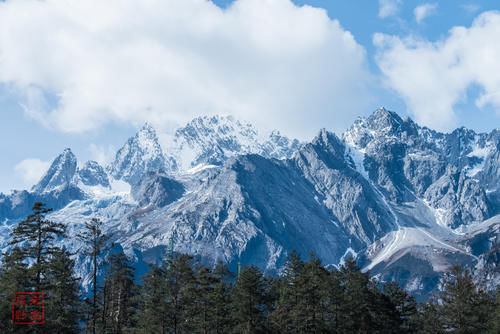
(13, 278)
(34, 242)
(404, 306)
(312, 301)
(285, 317)
(220, 299)
(429, 319)
(119, 291)
(357, 315)
(181, 293)
(183, 296)
(36, 238)
(62, 297)
(248, 301)
(495, 319)
(465, 308)
(153, 307)
(95, 243)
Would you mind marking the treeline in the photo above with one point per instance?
(184, 296)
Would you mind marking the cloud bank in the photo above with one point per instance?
(80, 64)
(388, 8)
(432, 77)
(30, 171)
(423, 11)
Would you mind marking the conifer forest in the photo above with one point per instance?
(184, 296)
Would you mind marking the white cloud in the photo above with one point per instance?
(423, 11)
(471, 8)
(30, 171)
(267, 61)
(388, 8)
(432, 77)
(102, 154)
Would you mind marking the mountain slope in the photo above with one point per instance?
(407, 201)
(140, 154)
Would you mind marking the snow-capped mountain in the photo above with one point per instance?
(407, 201)
(140, 154)
(60, 173)
(93, 174)
(211, 140)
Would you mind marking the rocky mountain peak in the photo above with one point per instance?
(384, 121)
(213, 139)
(389, 192)
(216, 128)
(148, 131)
(141, 153)
(61, 172)
(279, 146)
(93, 174)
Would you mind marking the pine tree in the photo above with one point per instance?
(248, 302)
(429, 319)
(62, 298)
(312, 301)
(95, 243)
(153, 310)
(385, 318)
(495, 319)
(465, 309)
(34, 242)
(13, 279)
(36, 237)
(118, 311)
(356, 314)
(286, 316)
(203, 305)
(220, 299)
(335, 297)
(180, 289)
(404, 304)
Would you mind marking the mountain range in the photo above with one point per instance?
(406, 201)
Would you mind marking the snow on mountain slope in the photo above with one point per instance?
(406, 200)
(92, 174)
(140, 154)
(212, 140)
(60, 173)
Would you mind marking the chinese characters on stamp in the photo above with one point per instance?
(28, 308)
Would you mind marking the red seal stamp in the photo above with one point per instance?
(28, 308)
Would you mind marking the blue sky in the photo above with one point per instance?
(87, 74)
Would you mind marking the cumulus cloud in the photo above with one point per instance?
(102, 154)
(423, 11)
(432, 77)
(268, 61)
(388, 8)
(30, 171)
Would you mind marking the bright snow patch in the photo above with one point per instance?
(198, 168)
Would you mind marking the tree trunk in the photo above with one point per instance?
(39, 255)
(94, 302)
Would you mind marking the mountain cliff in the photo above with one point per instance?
(407, 201)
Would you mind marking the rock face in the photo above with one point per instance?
(92, 174)
(407, 201)
(463, 199)
(140, 154)
(343, 190)
(60, 173)
(155, 189)
(409, 162)
(213, 140)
